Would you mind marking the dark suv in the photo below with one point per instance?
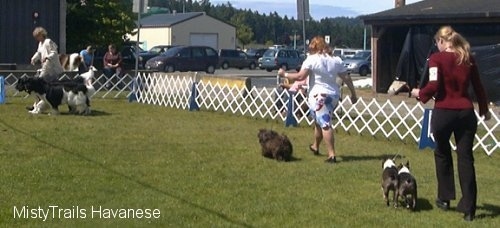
(185, 58)
(274, 59)
(154, 51)
(235, 58)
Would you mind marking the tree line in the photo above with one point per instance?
(103, 21)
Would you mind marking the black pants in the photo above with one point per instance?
(463, 124)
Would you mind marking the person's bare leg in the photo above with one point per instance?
(318, 136)
(329, 141)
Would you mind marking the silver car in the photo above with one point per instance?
(360, 63)
(274, 59)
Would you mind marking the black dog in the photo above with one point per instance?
(407, 185)
(389, 179)
(274, 145)
(72, 92)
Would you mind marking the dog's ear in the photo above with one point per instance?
(407, 164)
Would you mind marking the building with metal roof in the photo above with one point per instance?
(194, 28)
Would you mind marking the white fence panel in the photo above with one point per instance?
(401, 120)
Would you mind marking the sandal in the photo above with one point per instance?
(331, 160)
(315, 152)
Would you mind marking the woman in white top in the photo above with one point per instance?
(51, 66)
(324, 93)
(47, 54)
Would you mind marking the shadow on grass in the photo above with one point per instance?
(493, 211)
(292, 159)
(93, 113)
(423, 205)
(139, 182)
(348, 158)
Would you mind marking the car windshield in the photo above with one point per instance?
(157, 49)
(251, 51)
(171, 52)
(270, 53)
(361, 55)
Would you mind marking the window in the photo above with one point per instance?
(210, 52)
(185, 53)
(198, 52)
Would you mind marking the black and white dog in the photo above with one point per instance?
(75, 93)
(389, 179)
(407, 186)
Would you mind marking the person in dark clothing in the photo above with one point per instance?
(451, 71)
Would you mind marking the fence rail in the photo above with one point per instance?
(399, 120)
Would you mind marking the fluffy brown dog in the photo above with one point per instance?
(274, 145)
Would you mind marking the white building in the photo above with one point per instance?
(195, 28)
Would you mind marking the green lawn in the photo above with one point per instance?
(204, 169)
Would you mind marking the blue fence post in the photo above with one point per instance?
(426, 139)
(193, 105)
(290, 118)
(2, 89)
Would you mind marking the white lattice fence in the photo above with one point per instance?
(165, 90)
(373, 117)
(114, 86)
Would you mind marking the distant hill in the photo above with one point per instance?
(318, 12)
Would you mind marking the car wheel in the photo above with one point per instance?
(210, 69)
(169, 68)
(225, 65)
(252, 66)
(269, 69)
(284, 67)
(363, 71)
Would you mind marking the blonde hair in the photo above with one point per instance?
(40, 31)
(457, 41)
(318, 45)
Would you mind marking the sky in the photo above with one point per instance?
(318, 8)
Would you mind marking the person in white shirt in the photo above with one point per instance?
(47, 54)
(324, 92)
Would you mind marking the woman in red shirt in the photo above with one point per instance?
(451, 71)
(112, 62)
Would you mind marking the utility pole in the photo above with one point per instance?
(303, 12)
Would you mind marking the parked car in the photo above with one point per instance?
(274, 59)
(235, 58)
(360, 63)
(185, 58)
(153, 52)
(255, 53)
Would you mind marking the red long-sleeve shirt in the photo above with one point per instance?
(449, 83)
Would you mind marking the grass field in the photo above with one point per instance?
(204, 169)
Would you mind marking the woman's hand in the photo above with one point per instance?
(281, 72)
(415, 93)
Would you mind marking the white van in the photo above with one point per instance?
(345, 52)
